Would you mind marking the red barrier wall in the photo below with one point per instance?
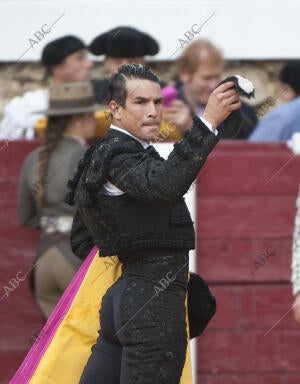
(20, 320)
(246, 197)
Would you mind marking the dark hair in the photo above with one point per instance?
(290, 74)
(53, 133)
(117, 90)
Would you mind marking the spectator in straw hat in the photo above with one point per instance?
(65, 60)
(43, 186)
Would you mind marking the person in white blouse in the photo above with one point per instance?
(296, 263)
(65, 60)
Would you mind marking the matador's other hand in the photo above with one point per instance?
(179, 114)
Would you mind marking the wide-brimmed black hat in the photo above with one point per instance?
(57, 50)
(290, 74)
(70, 99)
(124, 42)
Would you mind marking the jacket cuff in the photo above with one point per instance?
(199, 131)
(209, 126)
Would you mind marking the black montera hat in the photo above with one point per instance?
(290, 74)
(57, 50)
(235, 121)
(124, 42)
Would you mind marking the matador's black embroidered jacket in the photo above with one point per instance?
(151, 213)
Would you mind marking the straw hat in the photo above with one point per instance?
(70, 99)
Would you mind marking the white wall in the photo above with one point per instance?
(245, 29)
(164, 150)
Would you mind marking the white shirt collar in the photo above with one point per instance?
(143, 142)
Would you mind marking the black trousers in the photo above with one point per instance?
(143, 335)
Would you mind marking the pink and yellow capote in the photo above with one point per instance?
(63, 346)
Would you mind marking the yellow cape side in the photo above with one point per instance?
(70, 348)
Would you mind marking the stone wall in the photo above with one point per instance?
(17, 78)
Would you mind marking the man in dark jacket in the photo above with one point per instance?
(130, 201)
